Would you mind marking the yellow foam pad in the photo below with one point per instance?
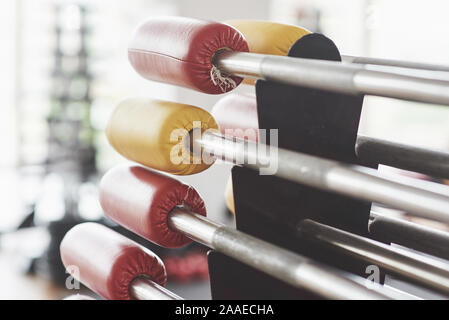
(153, 133)
(266, 37)
(229, 196)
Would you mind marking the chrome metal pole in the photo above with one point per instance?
(333, 76)
(143, 288)
(432, 162)
(395, 63)
(277, 262)
(350, 180)
(422, 270)
(408, 234)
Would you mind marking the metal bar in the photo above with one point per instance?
(354, 79)
(333, 76)
(418, 73)
(143, 288)
(408, 234)
(397, 294)
(395, 63)
(277, 262)
(431, 162)
(425, 271)
(350, 180)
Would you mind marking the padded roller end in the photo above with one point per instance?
(153, 133)
(266, 37)
(140, 200)
(237, 116)
(180, 51)
(107, 262)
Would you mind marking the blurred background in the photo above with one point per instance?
(64, 66)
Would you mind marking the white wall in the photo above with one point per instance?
(7, 82)
(410, 30)
(413, 30)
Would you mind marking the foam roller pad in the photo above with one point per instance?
(142, 131)
(108, 262)
(236, 116)
(180, 50)
(268, 37)
(237, 113)
(140, 200)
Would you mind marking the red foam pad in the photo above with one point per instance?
(179, 51)
(182, 269)
(140, 200)
(107, 262)
(237, 116)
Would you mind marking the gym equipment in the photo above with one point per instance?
(310, 121)
(279, 38)
(180, 51)
(332, 76)
(113, 266)
(395, 63)
(251, 251)
(333, 176)
(389, 230)
(155, 191)
(237, 115)
(222, 62)
(146, 190)
(300, 232)
(432, 162)
(164, 193)
(425, 271)
(147, 132)
(130, 133)
(412, 235)
(381, 228)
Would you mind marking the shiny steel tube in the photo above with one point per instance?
(408, 234)
(395, 63)
(431, 162)
(143, 288)
(277, 262)
(350, 180)
(424, 271)
(333, 76)
(354, 79)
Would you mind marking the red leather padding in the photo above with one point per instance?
(179, 51)
(108, 262)
(236, 116)
(140, 200)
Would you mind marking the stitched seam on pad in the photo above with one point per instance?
(165, 55)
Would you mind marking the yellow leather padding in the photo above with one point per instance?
(143, 130)
(266, 37)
